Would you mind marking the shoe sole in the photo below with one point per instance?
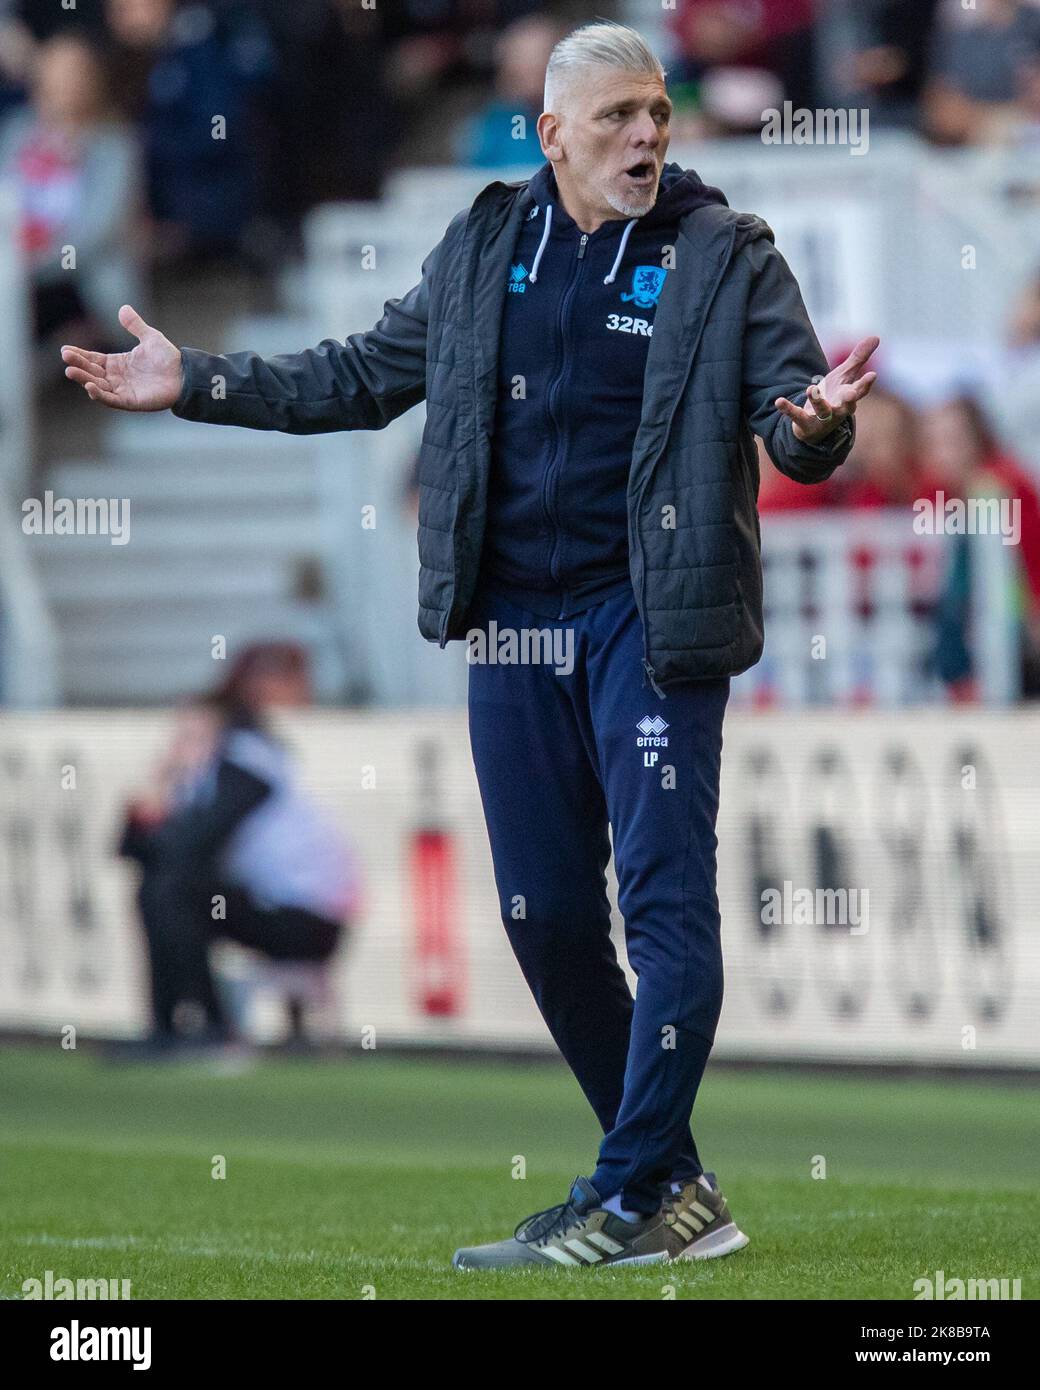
(727, 1240)
(655, 1258)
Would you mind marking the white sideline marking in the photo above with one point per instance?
(83, 1242)
(223, 1252)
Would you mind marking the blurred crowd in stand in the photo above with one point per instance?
(152, 138)
(940, 455)
(174, 132)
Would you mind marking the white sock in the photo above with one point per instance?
(678, 1186)
(613, 1204)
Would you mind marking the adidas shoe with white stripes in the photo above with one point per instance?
(699, 1222)
(578, 1233)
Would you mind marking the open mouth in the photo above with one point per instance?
(641, 174)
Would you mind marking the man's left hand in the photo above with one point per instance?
(834, 398)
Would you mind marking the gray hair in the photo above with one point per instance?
(600, 44)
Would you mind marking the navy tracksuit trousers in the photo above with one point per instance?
(560, 757)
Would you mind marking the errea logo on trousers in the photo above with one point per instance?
(651, 736)
(651, 731)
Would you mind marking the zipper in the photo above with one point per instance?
(650, 676)
(553, 393)
(640, 588)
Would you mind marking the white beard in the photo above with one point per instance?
(627, 209)
(632, 209)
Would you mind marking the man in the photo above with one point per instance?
(596, 347)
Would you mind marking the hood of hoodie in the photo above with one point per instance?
(680, 191)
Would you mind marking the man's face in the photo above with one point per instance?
(612, 137)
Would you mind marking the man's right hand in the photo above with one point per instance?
(146, 378)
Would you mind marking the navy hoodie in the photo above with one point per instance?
(576, 326)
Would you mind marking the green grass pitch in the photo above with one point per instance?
(347, 1176)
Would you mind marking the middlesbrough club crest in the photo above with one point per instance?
(646, 286)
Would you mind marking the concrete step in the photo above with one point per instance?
(186, 480)
(190, 630)
(268, 334)
(151, 658)
(139, 680)
(78, 581)
(140, 431)
(197, 539)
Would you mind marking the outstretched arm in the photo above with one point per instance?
(362, 383)
(802, 412)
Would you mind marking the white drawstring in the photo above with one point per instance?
(621, 251)
(545, 237)
(609, 279)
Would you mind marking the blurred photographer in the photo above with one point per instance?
(232, 847)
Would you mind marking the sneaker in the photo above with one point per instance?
(699, 1222)
(578, 1233)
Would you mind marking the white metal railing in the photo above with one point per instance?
(28, 645)
(15, 349)
(850, 605)
(28, 654)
